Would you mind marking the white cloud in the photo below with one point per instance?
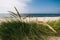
(8, 5)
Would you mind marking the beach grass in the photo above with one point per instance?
(18, 30)
(55, 24)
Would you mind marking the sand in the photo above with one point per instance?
(45, 19)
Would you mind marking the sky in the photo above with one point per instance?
(30, 6)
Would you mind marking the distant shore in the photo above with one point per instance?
(45, 19)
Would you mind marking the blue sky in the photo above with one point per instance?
(44, 6)
(30, 6)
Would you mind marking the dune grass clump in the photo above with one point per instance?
(55, 24)
(17, 30)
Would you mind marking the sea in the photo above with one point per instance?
(7, 15)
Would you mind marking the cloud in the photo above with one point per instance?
(8, 5)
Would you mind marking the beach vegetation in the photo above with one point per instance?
(18, 30)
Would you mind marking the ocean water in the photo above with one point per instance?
(43, 15)
(33, 15)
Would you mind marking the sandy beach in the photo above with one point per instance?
(45, 19)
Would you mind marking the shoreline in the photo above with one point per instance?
(45, 19)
